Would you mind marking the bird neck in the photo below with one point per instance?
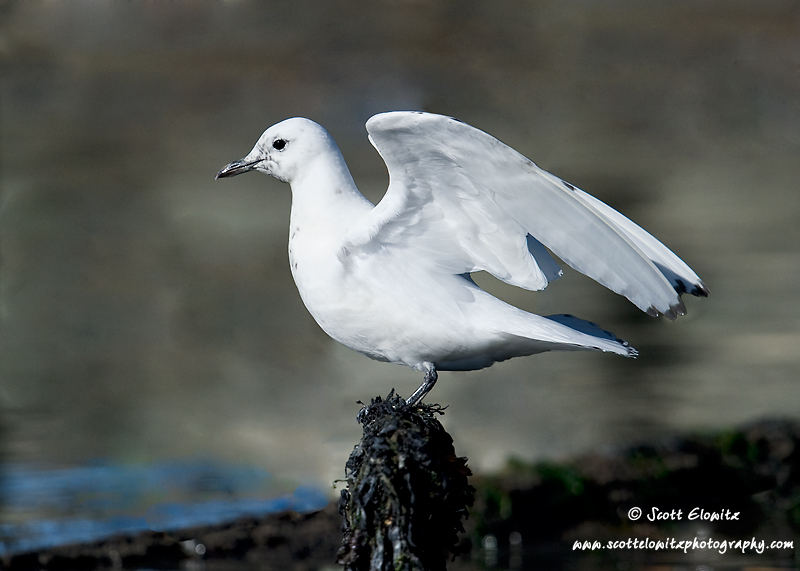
(325, 194)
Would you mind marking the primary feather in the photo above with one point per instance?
(441, 168)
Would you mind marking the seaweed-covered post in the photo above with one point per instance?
(407, 491)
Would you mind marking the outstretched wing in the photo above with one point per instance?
(464, 201)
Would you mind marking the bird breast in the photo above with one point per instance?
(319, 274)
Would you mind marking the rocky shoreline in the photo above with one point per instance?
(528, 512)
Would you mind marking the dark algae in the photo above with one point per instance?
(407, 491)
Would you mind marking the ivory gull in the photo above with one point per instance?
(392, 280)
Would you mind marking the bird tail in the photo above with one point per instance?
(606, 340)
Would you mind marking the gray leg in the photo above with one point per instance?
(424, 388)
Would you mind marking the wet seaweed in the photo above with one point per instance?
(407, 491)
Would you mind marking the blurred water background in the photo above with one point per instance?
(148, 312)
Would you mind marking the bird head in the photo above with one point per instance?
(283, 149)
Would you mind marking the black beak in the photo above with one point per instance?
(236, 167)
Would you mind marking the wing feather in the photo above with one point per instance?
(469, 202)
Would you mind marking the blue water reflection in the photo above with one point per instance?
(46, 508)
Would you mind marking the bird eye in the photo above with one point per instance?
(279, 144)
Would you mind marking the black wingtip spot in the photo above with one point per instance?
(675, 310)
(700, 290)
(568, 185)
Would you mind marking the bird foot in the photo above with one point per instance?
(424, 388)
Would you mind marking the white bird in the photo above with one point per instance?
(392, 280)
